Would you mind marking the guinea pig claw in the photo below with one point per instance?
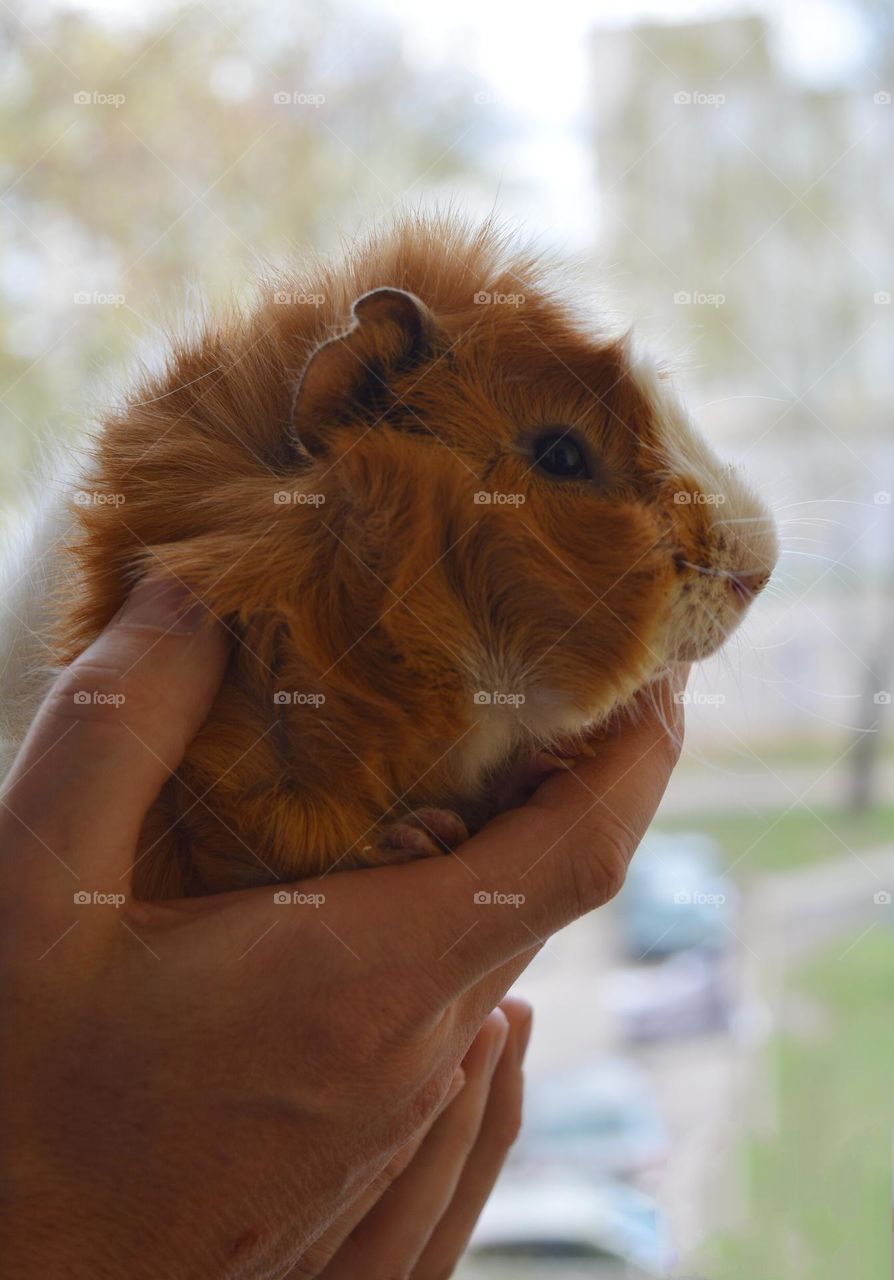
(425, 832)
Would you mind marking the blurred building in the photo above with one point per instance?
(744, 215)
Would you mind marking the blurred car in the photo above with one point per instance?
(675, 898)
(600, 1120)
(534, 1220)
(685, 994)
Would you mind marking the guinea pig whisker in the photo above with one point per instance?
(822, 502)
(711, 573)
(768, 519)
(814, 555)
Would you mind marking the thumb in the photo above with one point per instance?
(114, 726)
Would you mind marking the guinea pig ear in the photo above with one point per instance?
(391, 331)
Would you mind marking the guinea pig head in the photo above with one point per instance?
(549, 527)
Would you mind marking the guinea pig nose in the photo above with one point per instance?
(745, 585)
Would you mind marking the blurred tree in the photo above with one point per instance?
(187, 147)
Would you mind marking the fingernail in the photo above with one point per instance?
(498, 1043)
(162, 604)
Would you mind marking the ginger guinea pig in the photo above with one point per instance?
(449, 526)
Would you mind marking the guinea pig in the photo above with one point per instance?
(450, 526)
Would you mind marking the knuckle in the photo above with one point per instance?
(425, 1100)
(599, 868)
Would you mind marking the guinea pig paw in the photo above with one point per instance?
(425, 832)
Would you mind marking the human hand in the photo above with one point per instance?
(416, 1218)
(206, 1087)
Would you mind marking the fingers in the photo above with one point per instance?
(316, 1260)
(497, 1132)
(535, 869)
(114, 725)
(392, 1236)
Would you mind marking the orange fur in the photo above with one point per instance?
(394, 595)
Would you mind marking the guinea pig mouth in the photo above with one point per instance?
(711, 604)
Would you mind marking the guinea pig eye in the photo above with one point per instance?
(559, 454)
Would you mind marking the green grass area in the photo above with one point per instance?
(820, 1190)
(778, 841)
